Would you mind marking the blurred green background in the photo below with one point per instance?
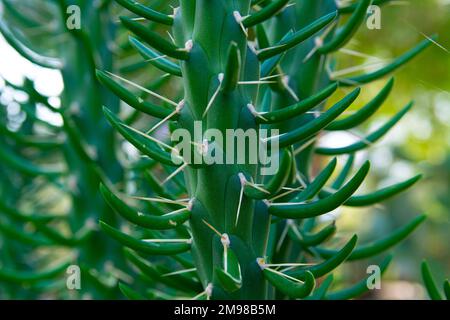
(419, 144)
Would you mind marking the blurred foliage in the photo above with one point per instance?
(420, 144)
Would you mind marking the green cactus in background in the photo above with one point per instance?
(317, 61)
(84, 145)
(15, 255)
(249, 65)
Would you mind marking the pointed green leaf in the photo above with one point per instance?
(330, 264)
(156, 59)
(376, 196)
(152, 248)
(318, 124)
(265, 13)
(293, 289)
(145, 12)
(297, 37)
(319, 207)
(131, 99)
(378, 246)
(31, 277)
(357, 289)
(397, 63)
(365, 112)
(345, 33)
(143, 144)
(429, 282)
(155, 40)
(299, 108)
(369, 139)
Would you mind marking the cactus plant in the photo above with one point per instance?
(231, 228)
(85, 144)
(430, 284)
(211, 229)
(14, 254)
